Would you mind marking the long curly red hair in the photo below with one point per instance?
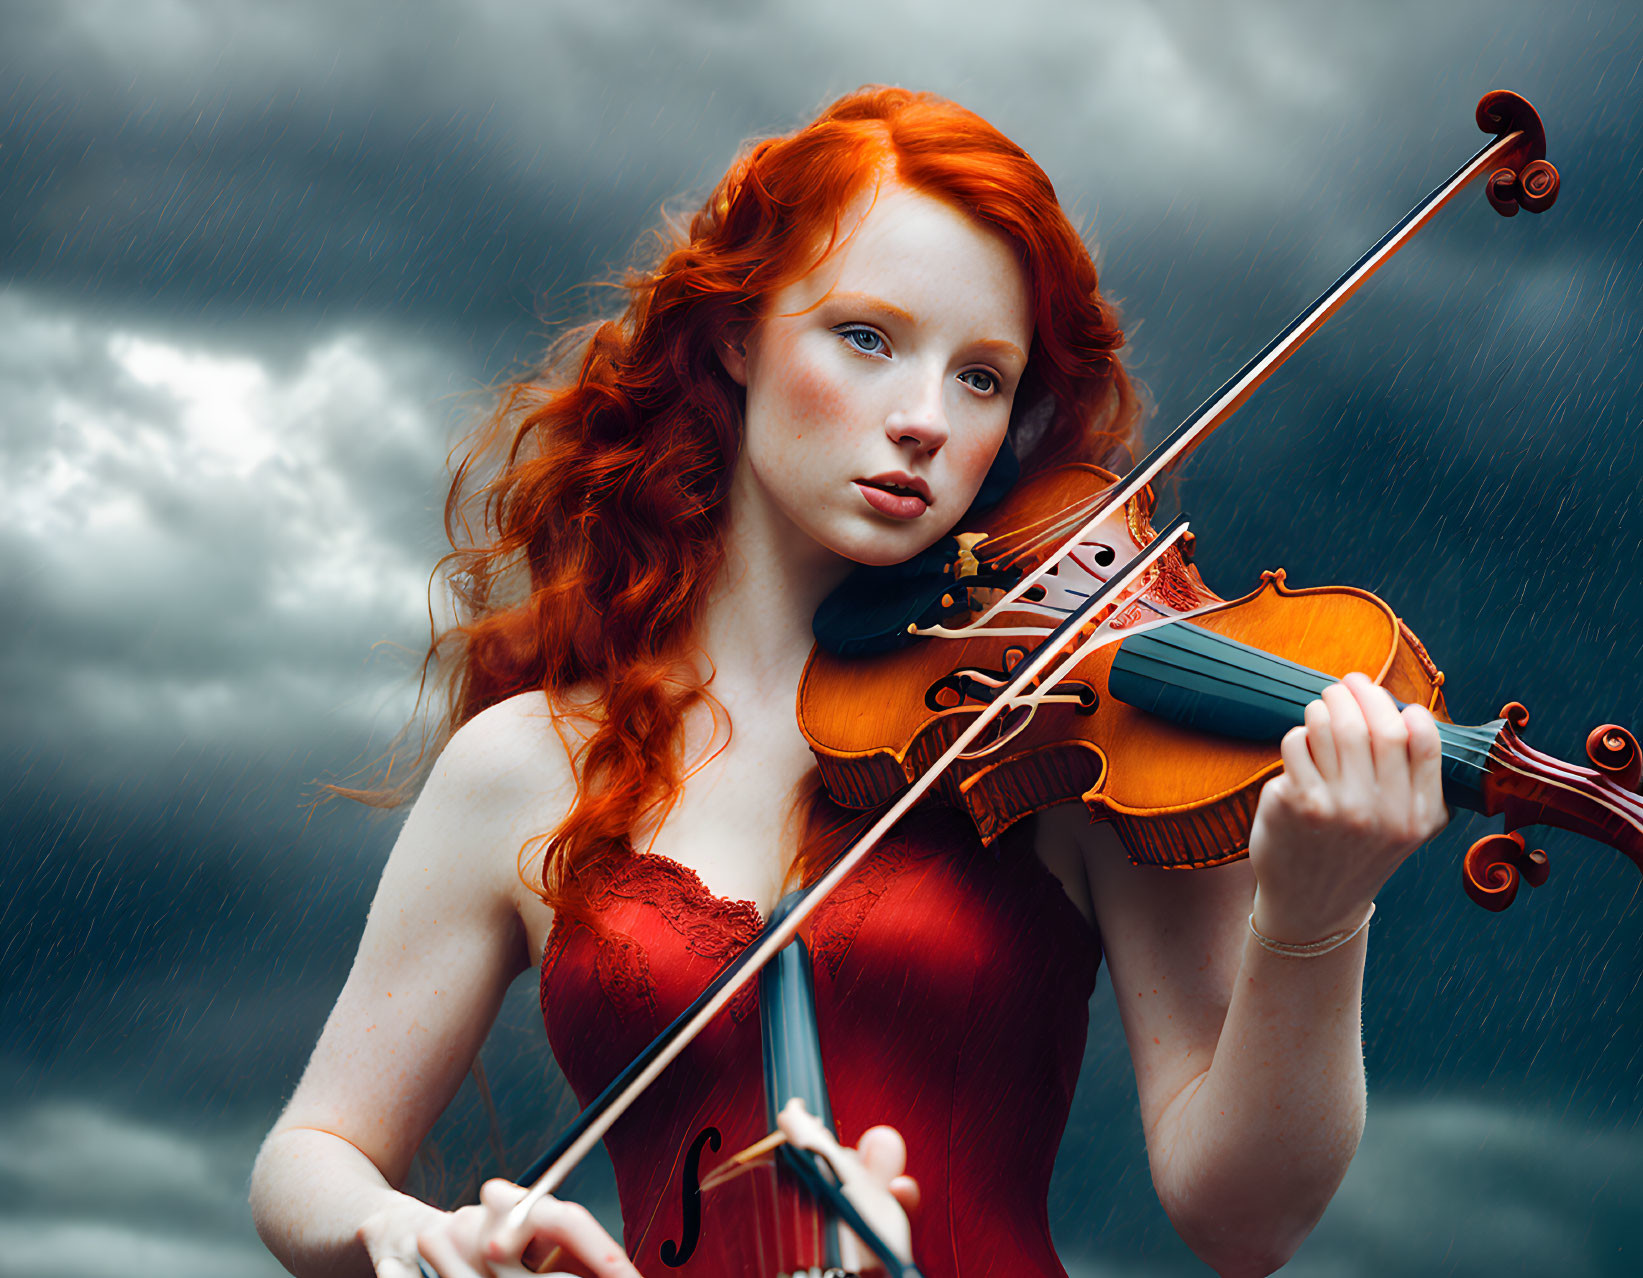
(597, 487)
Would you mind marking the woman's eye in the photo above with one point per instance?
(865, 340)
(983, 381)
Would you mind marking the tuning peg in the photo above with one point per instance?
(1613, 752)
(1493, 865)
(1534, 187)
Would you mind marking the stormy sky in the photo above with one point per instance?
(261, 262)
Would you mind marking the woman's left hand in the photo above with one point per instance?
(1361, 789)
(872, 1176)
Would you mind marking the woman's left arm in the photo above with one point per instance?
(1249, 1062)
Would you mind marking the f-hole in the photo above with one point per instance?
(1000, 731)
(675, 1254)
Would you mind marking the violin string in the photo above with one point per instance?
(1099, 635)
(1032, 577)
(1463, 745)
(1031, 526)
(759, 1154)
(1054, 530)
(1013, 601)
(1614, 798)
(1038, 533)
(1043, 532)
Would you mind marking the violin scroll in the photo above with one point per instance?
(1531, 788)
(1528, 181)
(1500, 111)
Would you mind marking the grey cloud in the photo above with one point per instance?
(1457, 1186)
(147, 1200)
(1510, 1192)
(201, 544)
(63, 1148)
(89, 1247)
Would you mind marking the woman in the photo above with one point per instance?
(823, 371)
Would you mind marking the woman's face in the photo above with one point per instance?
(879, 386)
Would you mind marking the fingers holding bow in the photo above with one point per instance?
(884, 1154)
(555, 1237)
(871, 1176)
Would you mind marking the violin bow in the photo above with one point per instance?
(1518, 176)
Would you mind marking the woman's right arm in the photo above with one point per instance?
(441, 945)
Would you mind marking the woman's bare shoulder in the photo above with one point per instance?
(520, 743)
(504, 777)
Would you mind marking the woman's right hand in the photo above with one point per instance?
(478, 1242)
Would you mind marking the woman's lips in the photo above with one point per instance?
(893, 505)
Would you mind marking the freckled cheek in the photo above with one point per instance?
(975, 457)
(815, 399)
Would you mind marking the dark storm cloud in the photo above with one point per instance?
(464, 161)
(311, 157)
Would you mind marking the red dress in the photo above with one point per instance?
(952, 992)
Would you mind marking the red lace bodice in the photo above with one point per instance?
(952, 992)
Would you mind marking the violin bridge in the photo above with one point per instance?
(968, 565)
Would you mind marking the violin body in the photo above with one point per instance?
(876, 722)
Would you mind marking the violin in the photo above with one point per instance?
(1056, 647)
(1170, 728)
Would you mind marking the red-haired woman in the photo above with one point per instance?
(820, 372)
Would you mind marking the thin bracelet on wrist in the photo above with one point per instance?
(1310, 949)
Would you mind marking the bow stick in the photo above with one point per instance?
(1519, 176)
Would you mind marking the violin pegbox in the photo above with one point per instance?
(966, 564)
(1537, 789)
(1533, 188)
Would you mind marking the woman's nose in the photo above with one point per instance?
(920, 420)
